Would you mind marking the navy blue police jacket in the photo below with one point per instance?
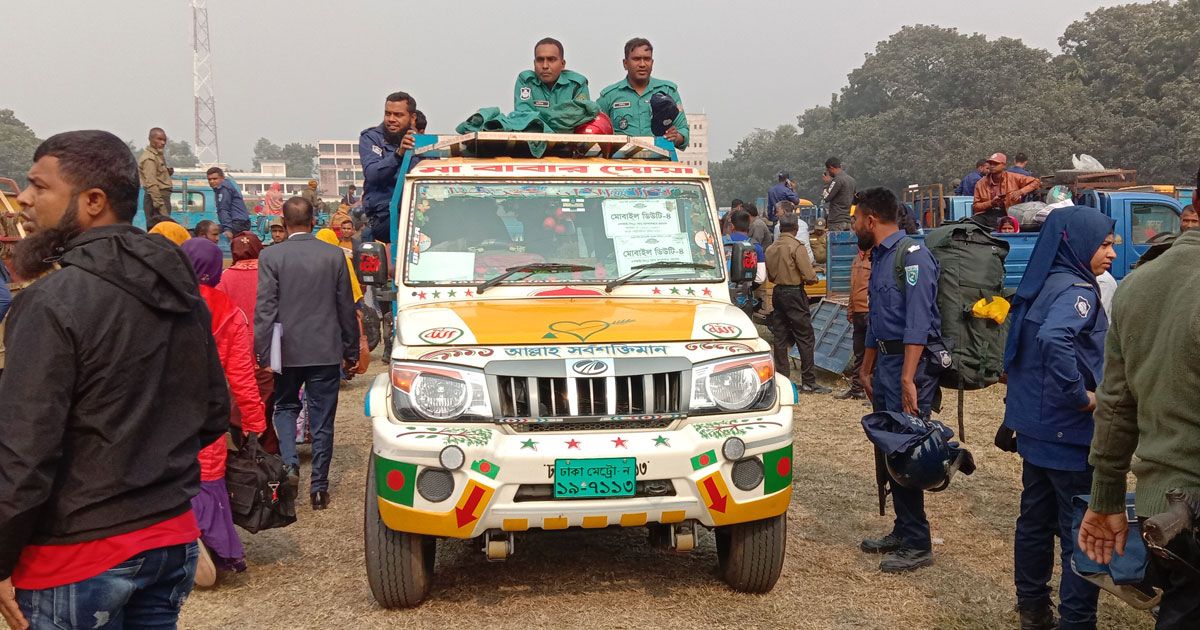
(1059, 359)
(380, 165)
(910, 316)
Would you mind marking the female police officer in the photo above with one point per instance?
(1054, 357)
(900, 322)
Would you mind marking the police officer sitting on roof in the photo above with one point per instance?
(627, 102)
(381, 151)
(549, 83)
(895, 369)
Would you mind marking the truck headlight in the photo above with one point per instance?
(739, 384)
(436, 392)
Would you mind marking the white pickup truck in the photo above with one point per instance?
(566, 356)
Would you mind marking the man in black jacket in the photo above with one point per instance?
(112, 385)
(304, 290)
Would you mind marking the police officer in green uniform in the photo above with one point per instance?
(549, 83)
(627, 102)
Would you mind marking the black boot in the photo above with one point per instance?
(884, 544)
(1037, 617)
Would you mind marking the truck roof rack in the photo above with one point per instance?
(516, 144)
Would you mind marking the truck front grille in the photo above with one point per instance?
(583, 399)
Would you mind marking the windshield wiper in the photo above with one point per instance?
(662, 264)
(529, 269)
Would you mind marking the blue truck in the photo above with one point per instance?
(1138, 216)
(193, 201)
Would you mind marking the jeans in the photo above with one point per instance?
(380, 226)
(145, 591)
(1045, 513)
(321, 384)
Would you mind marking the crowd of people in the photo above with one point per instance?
(1090, 395)
(114, 487)
(114, 500)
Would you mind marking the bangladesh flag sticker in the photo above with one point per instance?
(777, 467)
(395, 481)
(485, 468)
(703, 460)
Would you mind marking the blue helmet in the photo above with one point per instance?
(918, 453)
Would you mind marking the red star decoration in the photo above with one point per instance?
(619, 442)
(708, 292)
(469, 293)
(421, 295)
(657, 291)
(573, 444)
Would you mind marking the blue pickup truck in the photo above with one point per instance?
(193, 201)
(1138, 216)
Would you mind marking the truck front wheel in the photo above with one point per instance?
(750, 555)
(399, 565)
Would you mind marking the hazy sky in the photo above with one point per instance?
(300, 70)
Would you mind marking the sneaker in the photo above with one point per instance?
(886, 544)
(814, 389)
(206, 569)
(905, 560)
(852, 394)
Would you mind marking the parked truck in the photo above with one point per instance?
(1138, 216)
(567, 357)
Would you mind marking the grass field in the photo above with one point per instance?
(311, 574)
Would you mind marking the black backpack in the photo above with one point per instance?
(971, 261)
(259, 493)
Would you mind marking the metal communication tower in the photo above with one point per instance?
(202, 87)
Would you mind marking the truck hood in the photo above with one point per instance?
(571, 321)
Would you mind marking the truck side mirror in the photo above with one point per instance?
(371, 264)
(743, 262)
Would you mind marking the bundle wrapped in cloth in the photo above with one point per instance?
(561, 118)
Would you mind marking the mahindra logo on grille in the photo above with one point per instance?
(590, 367)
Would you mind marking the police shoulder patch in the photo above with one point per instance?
(1082, 306)
(911, 273)
(526, 93)
(377, 149)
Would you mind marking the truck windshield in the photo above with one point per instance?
(469, 232)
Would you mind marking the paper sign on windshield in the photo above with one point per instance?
(443, 267)
(639, 250)
(640, 217)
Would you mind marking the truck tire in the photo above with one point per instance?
(399, 565)
(750, 555)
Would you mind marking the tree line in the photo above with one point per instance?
(929, 102)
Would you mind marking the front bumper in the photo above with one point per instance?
(499, 462)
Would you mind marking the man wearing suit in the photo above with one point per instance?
(304, 287)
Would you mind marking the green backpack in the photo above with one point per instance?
(971, 263)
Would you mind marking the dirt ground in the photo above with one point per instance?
(311, 574)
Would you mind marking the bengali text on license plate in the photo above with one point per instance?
(593, 478)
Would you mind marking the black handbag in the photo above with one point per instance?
(259, 493)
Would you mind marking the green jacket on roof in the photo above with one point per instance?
(530, 92)
(630, 112)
